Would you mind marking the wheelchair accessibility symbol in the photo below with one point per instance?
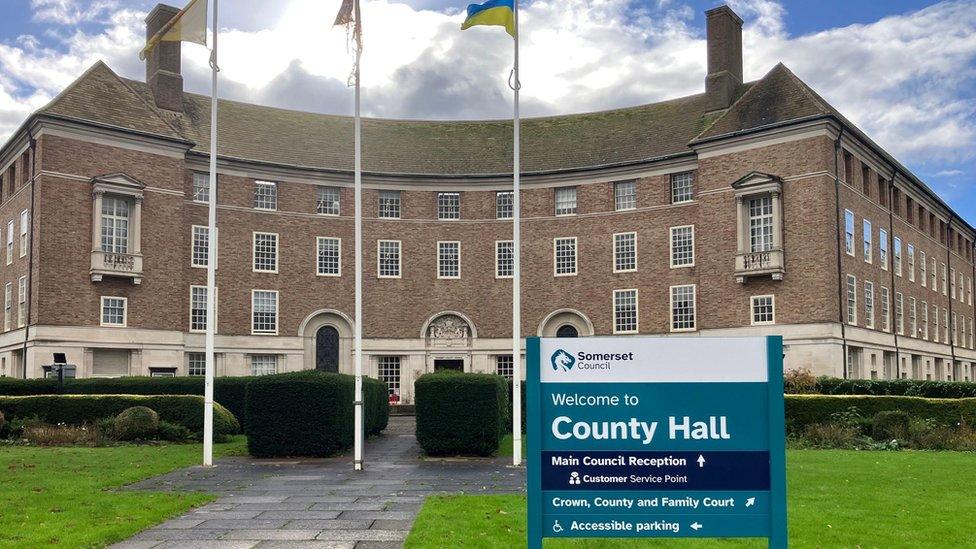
(556, 527)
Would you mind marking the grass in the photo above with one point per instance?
(837, 498)
(506, 446)
(66, 495)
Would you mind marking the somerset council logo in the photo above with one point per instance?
(561, 360)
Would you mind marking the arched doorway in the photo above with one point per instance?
(327, 349)
(567, 330)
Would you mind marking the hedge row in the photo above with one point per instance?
(461, 413)
(895, 387)
(309, 413)
(185, 410)
(804, 410)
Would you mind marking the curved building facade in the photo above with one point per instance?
(751, 208)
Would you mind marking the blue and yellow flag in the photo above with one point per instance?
(492, 12)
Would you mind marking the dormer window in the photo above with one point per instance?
(117, 227)
(758, 202)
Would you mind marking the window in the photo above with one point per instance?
(566, 201)
(448, 205)
(265, 195)
(962, 284)
(196, 364)
(504, 205)
(883, 248)
(925, 321)
(683, 246)
(22, 303)
(389, 206)
(924, 269)
(945, 280)
(935, 320)
(900, 313)
(201, 246)
(911, 263)
(265, 253)
(625, 195)
(115, 227)
(10, 242)
(868, 244)
(885, 310)
(201, 187)
(952, 283)
(912, 317)
(263, 365)
(505, 366)
(852, 300)
(264, 312)
(625, 311)
(388, 258)
(897, 256)
(945, 325)
(955, 332)
(564, 256)
(849, 232)
(113, 311)
(327, 200)
(624, 252)
(761, 224)
(869, 304)
(8, 291)
(763, 310)
(682, 187)
(198, 308)
(328, 253)
(969, 291)
(448, 260)
(24, 222)
(935, 275)
(682, 308)
(388, 370)
(504, 259)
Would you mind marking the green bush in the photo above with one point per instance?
(173, 432)
(136, 423)
(890, 425)
(3, 426)
(460, 413)
(804, 410)
(185, 410)
(12, 386)
(895, 387)
(309, 413)
(799, 381)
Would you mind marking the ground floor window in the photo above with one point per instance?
(262, 365)
(196, 364)
(389, 373)
(113, 311)
(505, 366)
(762, 309)
(682, 308)
(624, 311)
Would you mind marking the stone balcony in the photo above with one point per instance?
(116, 264)
(767, 263)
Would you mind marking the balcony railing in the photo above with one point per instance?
(764, 263)
(116, 264)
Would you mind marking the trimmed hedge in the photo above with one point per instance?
(309, 413)
(461, 413)
(185, 410)
(896, 387)
(804, 410)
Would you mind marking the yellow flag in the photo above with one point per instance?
(189, 25)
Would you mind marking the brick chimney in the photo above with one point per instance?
(724, 30)
(163, 72)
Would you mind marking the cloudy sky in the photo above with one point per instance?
(903, 70)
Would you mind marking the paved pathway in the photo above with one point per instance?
(320, 502)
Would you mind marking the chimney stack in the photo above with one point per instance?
(724, 33)
(163, 73)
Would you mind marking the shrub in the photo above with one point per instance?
(185, 410)
(173, 432)
(460, 413)
(107, 426)
(376, 405)
(829, 435)
(890, 425)
(803, 410)
(895, 387)
(799, 381)
(12, 386)
(43, 434)
(3, 425)
(136, 423)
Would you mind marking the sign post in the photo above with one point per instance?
(656, 437)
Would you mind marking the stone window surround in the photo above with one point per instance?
(104, 263)
(769, 263)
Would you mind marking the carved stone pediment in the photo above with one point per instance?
(448, 331)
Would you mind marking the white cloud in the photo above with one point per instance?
(907, 79)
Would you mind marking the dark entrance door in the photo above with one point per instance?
(567, 330)
(327, 349)
(449, 364)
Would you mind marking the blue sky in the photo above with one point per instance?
(904, 71)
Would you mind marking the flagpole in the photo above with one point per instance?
(517, 270)
(358, 183)
(211, 260)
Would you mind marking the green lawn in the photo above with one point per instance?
(65, 496)
(837, 498)
(505, 447)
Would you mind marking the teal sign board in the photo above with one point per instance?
(656, 437)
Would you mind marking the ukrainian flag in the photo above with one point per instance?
(492, 12)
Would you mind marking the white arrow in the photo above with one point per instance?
(750, 502)
(696, 526)
(701, 460)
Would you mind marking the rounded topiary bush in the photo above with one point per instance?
(138, 422)
(889, 425)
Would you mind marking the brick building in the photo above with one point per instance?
(751, 208)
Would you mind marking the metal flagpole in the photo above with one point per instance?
(211, 260)
(358, 182)
(516, 271)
